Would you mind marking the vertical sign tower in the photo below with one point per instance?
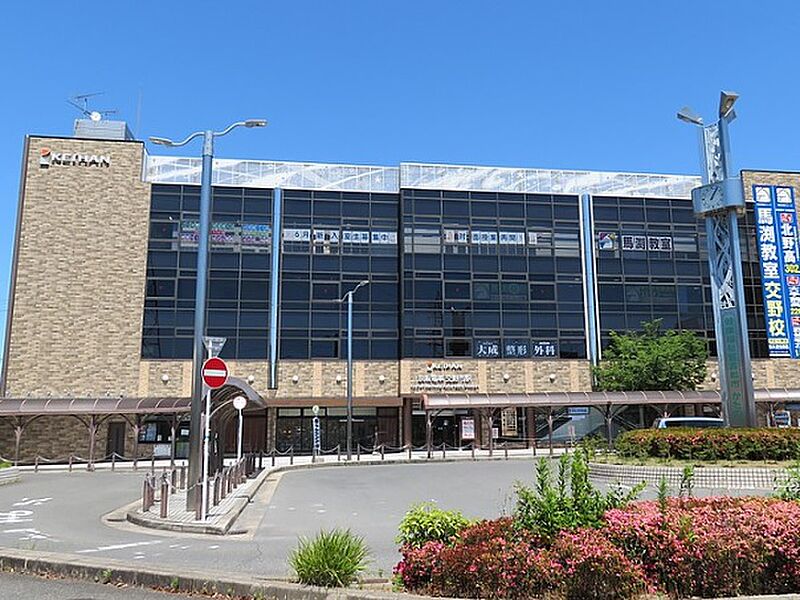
(719, 201)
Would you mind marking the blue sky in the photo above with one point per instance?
(554, 84)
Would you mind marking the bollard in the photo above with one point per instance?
(216, 489)
(135, 463)
(70, 463)
(444, 450)
(472, 450)
(291, 455)
(358, 452)
(260, 460)
(505, 449)
(338, 453)
(382, 451)
(183, 477)
(198, 501)
(164, 497)
(144, 496)
(113, 461)
(410, 449)
(152, 464)
(273, 457)
(174, 478)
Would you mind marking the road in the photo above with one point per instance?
(62, 512)
(27, 586)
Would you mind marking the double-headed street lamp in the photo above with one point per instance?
(349, 298)
(720, 201)
(200, 287)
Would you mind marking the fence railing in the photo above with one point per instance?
(157, 488)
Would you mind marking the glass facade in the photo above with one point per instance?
(239, 271)
(332, 241)
(453, 273)
(652, 263)
(491, 275)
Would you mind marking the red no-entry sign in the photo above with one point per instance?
(215, 373)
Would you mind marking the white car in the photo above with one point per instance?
(668, 422)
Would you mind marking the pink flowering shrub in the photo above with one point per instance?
(712, 547)
(593, 568)
(709, 547)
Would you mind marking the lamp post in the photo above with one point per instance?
(239, 403)
(349, 298)
(720, 201)
(200, 287)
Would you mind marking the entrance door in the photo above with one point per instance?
(116, 439)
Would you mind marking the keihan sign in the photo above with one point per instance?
(48, 158)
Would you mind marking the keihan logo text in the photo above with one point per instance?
(48, 158)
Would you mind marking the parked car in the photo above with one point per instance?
(666, 422)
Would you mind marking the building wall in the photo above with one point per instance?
(80, 271)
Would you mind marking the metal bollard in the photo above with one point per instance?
(505, 450)
(70, 463)
(273, 457)
(444, 450)
(183, 477)
(358, 452)
(198, 501)
(144, 496)
(113, 461)
(338, 453)
(216, 489)
(152, 464)
(410, 449)
(164, 497)
(260, 460)
(472, 450)
(135, 463)
(174, 477)
(382, 451)
(291, 455)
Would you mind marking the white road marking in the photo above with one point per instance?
(322, 510)
(16, 516)
(117, 547)
(213, 547)
(31, 502)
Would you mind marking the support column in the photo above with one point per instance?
(274, 289)
(272, 428)
(530, 426)
(407, 420)
(588, 268)
(173, 428)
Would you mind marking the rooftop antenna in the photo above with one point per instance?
(81, 102)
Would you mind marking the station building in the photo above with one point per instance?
(485, 284)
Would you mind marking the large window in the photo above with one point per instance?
(332, 241)
(652, 263)
(239, 265)
(491, 275)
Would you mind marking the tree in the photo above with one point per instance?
(652, 360)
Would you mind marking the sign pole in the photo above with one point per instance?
(719, 202)
(206, 435)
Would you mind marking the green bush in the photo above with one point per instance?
(570, 503)
(332, 559)
(711, 444)
(425, 523)
(789, 488)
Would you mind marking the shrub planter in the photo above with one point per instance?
(747, 478)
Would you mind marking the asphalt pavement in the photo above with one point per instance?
(17, 587)
(61, 512)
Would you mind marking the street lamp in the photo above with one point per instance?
(239, 403)
(719, 201)
(200, 287)
(349, 297)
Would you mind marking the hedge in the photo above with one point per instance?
(711, 444)
(709, 547)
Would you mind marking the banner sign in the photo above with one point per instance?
(776, 222)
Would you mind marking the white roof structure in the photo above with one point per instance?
(369, 178)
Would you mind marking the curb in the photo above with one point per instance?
(747, 478)
(9, 475)
(204, 582)
(70, 566)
